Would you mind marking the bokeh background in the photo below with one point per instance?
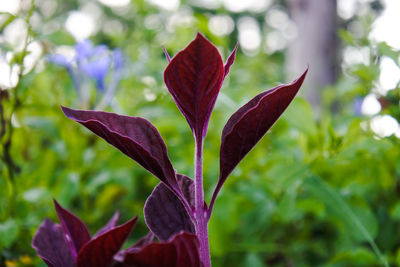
(322, 187)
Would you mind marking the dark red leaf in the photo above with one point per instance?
(134, 136)
(144, 241)
(50, 245)
(249, 124)
(141, 243)
(165, 214)
(194, 77)
(76, 233)
(110, 225)
(186, 185)
(99, 252)
(230, 61)
(182, 250)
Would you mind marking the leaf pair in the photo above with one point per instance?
(194, 77)
(71, 244)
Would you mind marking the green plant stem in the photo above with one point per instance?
(7, 129)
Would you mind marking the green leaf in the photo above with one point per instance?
(354, 222)
(347, 37)
(10, 19)
(253, 260)
(386, 50)
(300, 116)
(8, 232)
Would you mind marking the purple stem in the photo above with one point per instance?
(201, 211)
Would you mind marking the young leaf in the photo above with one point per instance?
(110, 225)
(230, 61)
(181, 250)
(164, 213)
(76, 233)
(194, 77)
(99, 252)
(249, 124)
(134, 136)
(50, 245)
(166, 54)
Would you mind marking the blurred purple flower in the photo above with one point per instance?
(97, 69)
(118, 59)
(83, 49)
(116, 77)
(93, 63)
(60, 60)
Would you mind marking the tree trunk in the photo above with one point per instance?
(316, 45)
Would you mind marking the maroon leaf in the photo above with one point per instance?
(194, 77)
(144, 241)
(76, 233)
(141, 243)
(186, 185)
(164, 213)
(230, 61)
(249, 124)
(50, 245)
(134, 136)
(110, 225)
(99, 252)
(181, 250)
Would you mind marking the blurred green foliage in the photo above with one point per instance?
(312, 193)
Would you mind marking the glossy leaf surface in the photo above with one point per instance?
(165, 214)
(77, 235)
(181, 250)
(50, 245)
(134, 136)
(250, 123)
(194, 77)
(99, 252)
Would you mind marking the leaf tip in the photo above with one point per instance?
(67, 111)
(200, 36)
(166, 54)
(302, 76)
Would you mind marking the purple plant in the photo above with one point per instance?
(175, 212)
(71, 245)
